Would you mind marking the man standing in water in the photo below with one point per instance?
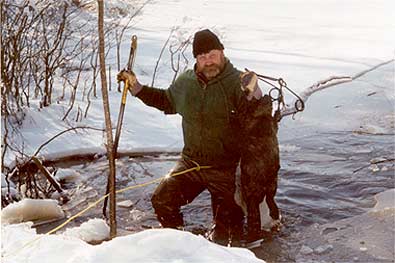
(208, 98)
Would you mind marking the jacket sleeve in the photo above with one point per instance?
(157, 98)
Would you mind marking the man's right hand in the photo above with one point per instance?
(130, 80)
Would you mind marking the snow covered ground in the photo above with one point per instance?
(160, 245)
(301, 41)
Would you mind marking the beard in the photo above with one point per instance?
(213, 70)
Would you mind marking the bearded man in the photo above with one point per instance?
(208, 98)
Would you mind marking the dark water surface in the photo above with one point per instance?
(327, 168)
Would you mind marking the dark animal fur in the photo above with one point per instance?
(260, 161)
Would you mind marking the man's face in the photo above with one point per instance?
(211, 63)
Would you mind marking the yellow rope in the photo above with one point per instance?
(197, 168)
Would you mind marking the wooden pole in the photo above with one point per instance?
(106, 106)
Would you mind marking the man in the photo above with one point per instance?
(208, 98)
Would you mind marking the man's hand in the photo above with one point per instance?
(249, 84)
(130, 80)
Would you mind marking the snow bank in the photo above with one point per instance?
(168, 245)
(31, 210)
(159, 245)
(93, 230)
(20, 243)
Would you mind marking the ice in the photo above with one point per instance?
(368, 237)
(385, 201)
(289, 148)
(323, 249)
(31, 210)
(136, 214)
(125, 204)
(305, 250)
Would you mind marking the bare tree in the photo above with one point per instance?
(35, 48)
(160, 56)
(176, 50)
(118, 36)
(75, 85)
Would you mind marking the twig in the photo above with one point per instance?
(320, 85)
(329, 82)
(29, 158)
(160, 56)
(62, 132)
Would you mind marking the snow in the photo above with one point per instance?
(160, 245)
(12, 192)
(93, 230)
(67, 175)
(20, 243)
(4, 187)
(297, 41)
(4, 182)
(31, 209)
(301, 41)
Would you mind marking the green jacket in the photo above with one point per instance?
(209, 114)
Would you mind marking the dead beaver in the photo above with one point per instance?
(260, 160)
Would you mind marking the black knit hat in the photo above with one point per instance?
(205, 41)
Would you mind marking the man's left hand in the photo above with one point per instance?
(249, 84)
